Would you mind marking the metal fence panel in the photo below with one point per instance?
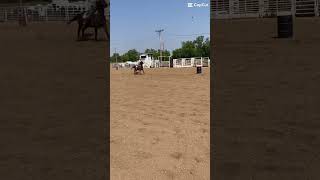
(43, 12)
(222, 9)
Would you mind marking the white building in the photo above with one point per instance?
(148, 61)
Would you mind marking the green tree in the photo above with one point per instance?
(177, 53)
(206, 48)
(152, 51)
(115, 58)
(199, 44)
(197, 48)
(131, 55)
(166, 53)
(156, 53)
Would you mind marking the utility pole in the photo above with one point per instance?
(161, 43)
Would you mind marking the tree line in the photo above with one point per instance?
(200, 47)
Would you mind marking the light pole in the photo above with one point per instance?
(159, 32)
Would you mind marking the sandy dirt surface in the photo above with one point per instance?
(52, 103)
(160, 124)
(267, 119)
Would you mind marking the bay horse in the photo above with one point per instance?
(138, 67)
(95, 20)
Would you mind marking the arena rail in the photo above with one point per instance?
(42, 12)
(229, 9)
(176, 63)
(165, 64)
(191, 62)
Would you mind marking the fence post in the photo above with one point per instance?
(67, 13)
(245, 8)
(316, 7)
(277, 7)
(5, 15)
(261, 8)
(25, 11)
(231, 7)
(201, 61)
(46, 14)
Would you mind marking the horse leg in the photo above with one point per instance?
(96, 33)
(83, 30)
(79, 29)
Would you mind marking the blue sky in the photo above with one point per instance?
(133, 23)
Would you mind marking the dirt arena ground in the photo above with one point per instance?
(267, 119)
(160, 124)
(52, 103)
(270, 85)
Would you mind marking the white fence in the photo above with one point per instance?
(176, 63)
(224, 9)
(165, 64)
(43, 12)
(39, 14)
(191, 62)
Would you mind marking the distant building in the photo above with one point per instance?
(148, 60)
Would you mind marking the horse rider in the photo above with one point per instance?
(140, 63)
(90, 11)
(94, 5)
